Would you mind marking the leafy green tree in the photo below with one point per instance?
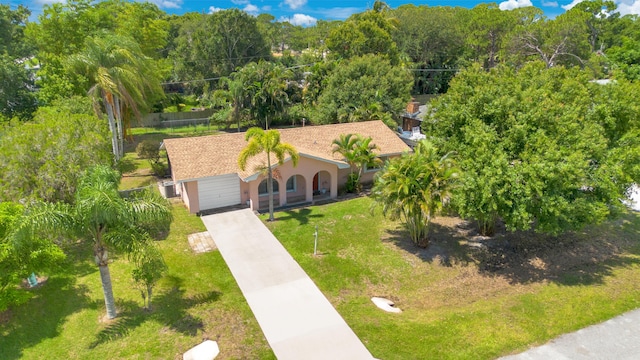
(626, 58)
(414, 188)
(267, 142)
(216, 45)
(25, 245)
(12, 26)
(360, 82)
(431, 38)
(539, 147)
(150, 150)
(150, 267)
(359, 153)
(265, 86)
(16, 97)
(142, 21)
(601, 16)
(122, 80)
(486, 34)
(43, 159)
(561, 41)
(232, 96)
(111, 222)
(16, 87)
(365, 33)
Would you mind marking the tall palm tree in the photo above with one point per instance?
(121, 78)
(266, 85)
(268, 142)
(114, 223)
(414, 188)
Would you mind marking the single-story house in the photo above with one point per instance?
(206, 174)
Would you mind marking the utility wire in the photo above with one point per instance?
(219, 77)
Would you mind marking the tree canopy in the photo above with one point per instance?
(538, 147)
(43, 159)
(360, 82)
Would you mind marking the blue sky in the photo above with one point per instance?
(306, 12)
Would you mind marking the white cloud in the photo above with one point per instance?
(168, 4)
(626, 7)
(213, 9)
(251, 9)
(49, 2)
(514, 4)
(266, 8)
(300, 19)
(295, 4)
(240, 2)
(572, 4)
(338, 13)
(550, 3)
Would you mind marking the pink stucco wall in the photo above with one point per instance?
(189, 195)
(307, 169)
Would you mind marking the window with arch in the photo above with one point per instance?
(262, 188)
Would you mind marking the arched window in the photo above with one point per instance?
(262, 188)
(292, 184)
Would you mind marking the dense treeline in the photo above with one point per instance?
(194, 51)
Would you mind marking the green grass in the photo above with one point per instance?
(178, 131)
(197, 299)
(459, 302)
(137, 172)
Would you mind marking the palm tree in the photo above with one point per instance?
(268, 142)
(358, 152)
(114, 223)
(121, 77)
(414, 188)
(365, 155)
(26, 245)
(235, 96)
(345, 145)
(266, 85)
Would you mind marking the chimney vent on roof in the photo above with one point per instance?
(413, 107)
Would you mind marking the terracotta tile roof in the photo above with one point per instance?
(205, 156)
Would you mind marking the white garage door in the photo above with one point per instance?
(219, 191)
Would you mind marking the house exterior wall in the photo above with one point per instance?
(189, 195)
(307, 168)
(245, 189)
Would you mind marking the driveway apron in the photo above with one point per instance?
(296, 318)
(618, 338)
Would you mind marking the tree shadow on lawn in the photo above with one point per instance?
(42, 317)
(573, 258)
(301, 215)
(169, 308)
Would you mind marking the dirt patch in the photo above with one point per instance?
(520, 257)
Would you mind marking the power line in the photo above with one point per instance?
(220, 77)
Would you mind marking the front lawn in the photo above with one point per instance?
(198, 299)
(463, 297)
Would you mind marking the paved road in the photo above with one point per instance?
(296, 318)
(616, 339)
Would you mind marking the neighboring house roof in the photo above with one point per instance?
(206, 156)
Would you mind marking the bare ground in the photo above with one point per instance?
(463, 267)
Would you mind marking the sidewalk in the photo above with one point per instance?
(618, 338)
(296, 318)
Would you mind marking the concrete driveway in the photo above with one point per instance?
(618, 338)
(296, 318)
